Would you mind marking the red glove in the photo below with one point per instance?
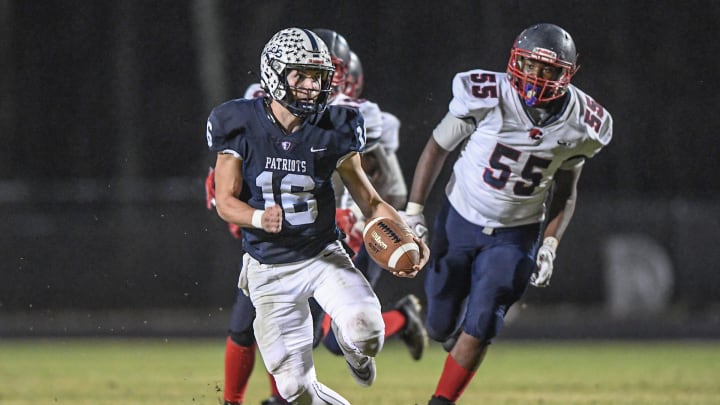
(235, 231)
(347, 221)
(210, 189)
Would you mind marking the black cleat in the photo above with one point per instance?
(414, 334)
(440, 401)
(273, 400)
(449, 343)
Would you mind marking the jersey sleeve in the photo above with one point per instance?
(226, 127)
(372, 117)
(351, 127)
(474, 94)
(390, 137)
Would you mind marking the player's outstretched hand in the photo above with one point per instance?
(545, 259)
(424, 257)
(272, 219)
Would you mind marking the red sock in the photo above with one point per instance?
(453, 381)
(273, 387)
(394, 322)
(239, 363)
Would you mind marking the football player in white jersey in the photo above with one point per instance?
(525, 133)
(381, 165)
(275, 159)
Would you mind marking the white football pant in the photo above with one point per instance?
(283, 323)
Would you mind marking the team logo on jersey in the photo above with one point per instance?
(286, 145)
(535, 134)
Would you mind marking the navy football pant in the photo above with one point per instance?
(473, 278)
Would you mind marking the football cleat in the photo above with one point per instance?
(449, 343)
(362, 367)
(273, 400)
(414, 334)
(440, 401)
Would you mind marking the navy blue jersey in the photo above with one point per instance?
(293, 171)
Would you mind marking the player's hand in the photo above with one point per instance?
(210, 189)
(416, 223)
(545, 259)
(272, 219)
(424, 257)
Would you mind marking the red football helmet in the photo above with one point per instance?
(339, 55)
(549, 45)
(355, 79)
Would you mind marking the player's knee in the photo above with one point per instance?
(485, 326)
(365, 329)
(440, 328)
(245, 338)
(291, 388)
(295, 389)
(438, 333)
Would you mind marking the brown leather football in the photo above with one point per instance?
(391, 244)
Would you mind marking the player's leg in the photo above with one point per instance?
(239, 350)
(448, 273)
(500, 276)
(284, 330)
(348, 298)
(447, 286)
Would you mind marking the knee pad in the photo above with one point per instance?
(365, 330)
(245, 338)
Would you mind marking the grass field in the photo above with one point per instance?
(181, 371)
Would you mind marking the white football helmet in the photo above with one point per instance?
(290, 49)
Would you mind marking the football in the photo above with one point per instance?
(391, 245)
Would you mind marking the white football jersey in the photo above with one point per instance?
(390, 138)
(370, 112)
(507, 163)
(383, 130)
(254, 90)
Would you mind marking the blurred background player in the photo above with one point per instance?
(383, 169)
(526, 134)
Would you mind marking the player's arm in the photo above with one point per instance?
(427, 170)
(562, 203)
(363, 192)
(560, 212)
(371, 204)
(228, 185)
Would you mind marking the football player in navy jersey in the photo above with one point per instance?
(273, 177)
(525, 133)
(404, 318)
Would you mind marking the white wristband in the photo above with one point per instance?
(414, 208)
(257, 219)
(551, 242)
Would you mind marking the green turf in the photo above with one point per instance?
(177, 371)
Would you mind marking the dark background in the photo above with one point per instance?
(103, 109)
